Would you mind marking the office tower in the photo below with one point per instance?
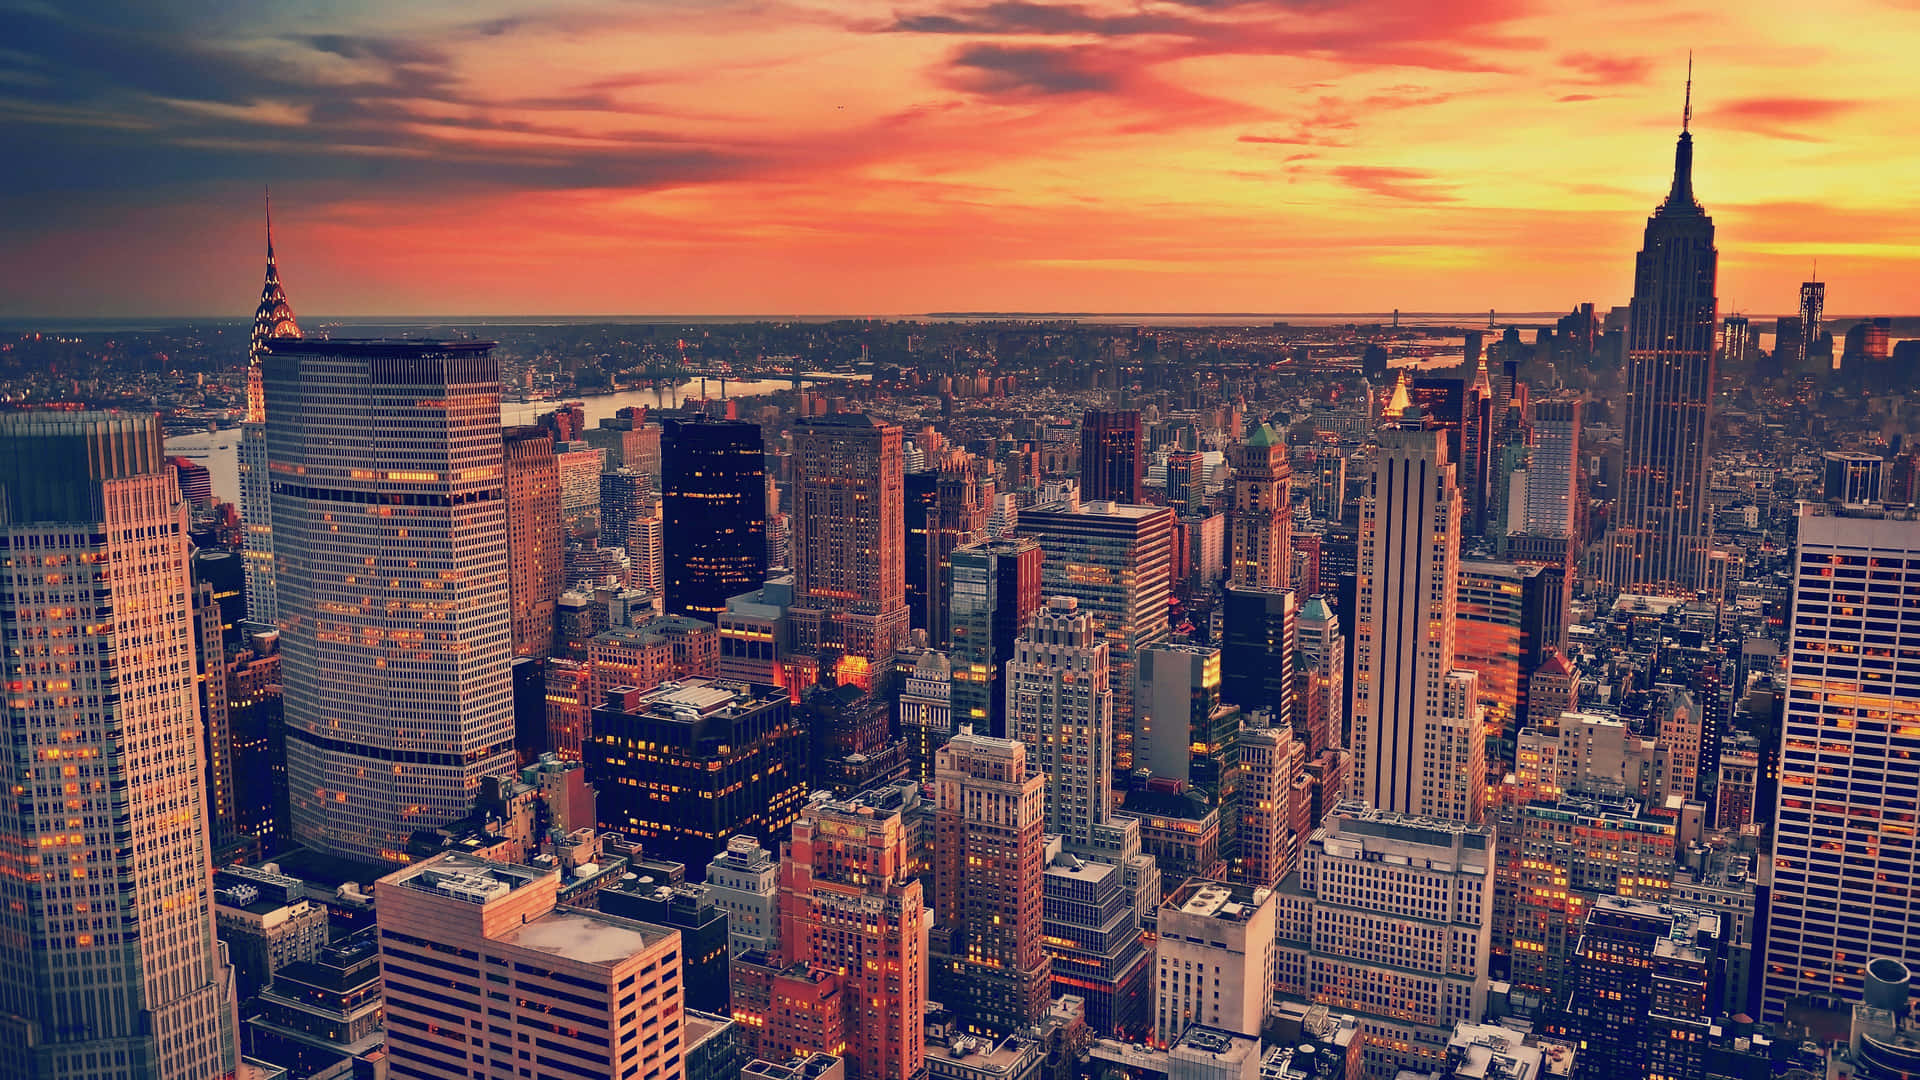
(849, 547)
(1640, 1003)
(921, 503)
(1093, 939)
(1270, 830)
(322, 1013)
(1591, 754)
(693, 910)
(1737, 784)
(996, 590)
(1504, 616)
(111, 910)
(1851, 728)
(1180, 830)
(1262, 512)
(1558, 857)
(1113, 459)
(849, 904)
(454, 925)
(1258, 646)
(988, 875)
(1188, 735)
(1320, 683)
(1328, 487)
(630, 443)
(945, 509)
(1684, 735)
(1738, 343)
(1789, 348)
(1411, 899)
(1414, 750)
(395, 607)
(267, 923)
(713, 476)
(272, 319)
(1186, 481)
(630, 519)
(1554, 688)
(256, 724)
(686, 766)
(535, 537)
(213, 707)
(850, 731)
(1851, 476)
(745, 882)
(1813, 305)
(1214, 959)
(1060, 704)
(1117, 561)
(926, 712)
(1664, 527)
(1553, 469)
(580, 466)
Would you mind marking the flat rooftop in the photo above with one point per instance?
(586, 937)
(376, 347)
(1213, 900)
(464, 877)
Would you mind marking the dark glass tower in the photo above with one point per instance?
(713, 476)
(1112, 456)
(1659, 543)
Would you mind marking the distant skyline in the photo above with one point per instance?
(912, 156)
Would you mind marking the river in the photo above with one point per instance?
(219, 451)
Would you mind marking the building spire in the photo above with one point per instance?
(272, 319)
(1680, 199)
(1686, 110)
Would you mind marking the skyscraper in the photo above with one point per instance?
(535, 539)
(683, 767)
(1262, 512)
(714, 514)
(1664, 525)
(1113, 457)
(272, 319)
(395, 609)
(945, 509)
(109, 966)
(1553, 468)
(996, 590)
(849, 545)
(1060, 704)
(1388, 918)
(454, 924)
(849, 904)
(1850, 736)
(1813, 308)
(988, 880)
(1417, 746)
(630, 519)
(1117, 561)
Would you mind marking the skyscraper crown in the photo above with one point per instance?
(272, 319)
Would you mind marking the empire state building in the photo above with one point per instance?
(1661, 533)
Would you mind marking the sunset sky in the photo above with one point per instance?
(901, 156)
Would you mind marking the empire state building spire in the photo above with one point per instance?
(1662, 528)
(272, 319)
(1680, 200)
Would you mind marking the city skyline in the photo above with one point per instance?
(531, 162)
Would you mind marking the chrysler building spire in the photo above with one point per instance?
(272, 319)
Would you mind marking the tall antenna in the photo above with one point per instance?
(1686, 111)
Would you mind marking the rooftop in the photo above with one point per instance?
(586, 937)
(464, 877)
(1215, 900)
(400, 348)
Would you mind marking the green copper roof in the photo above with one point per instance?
(1316, 609)
(1264, 435)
